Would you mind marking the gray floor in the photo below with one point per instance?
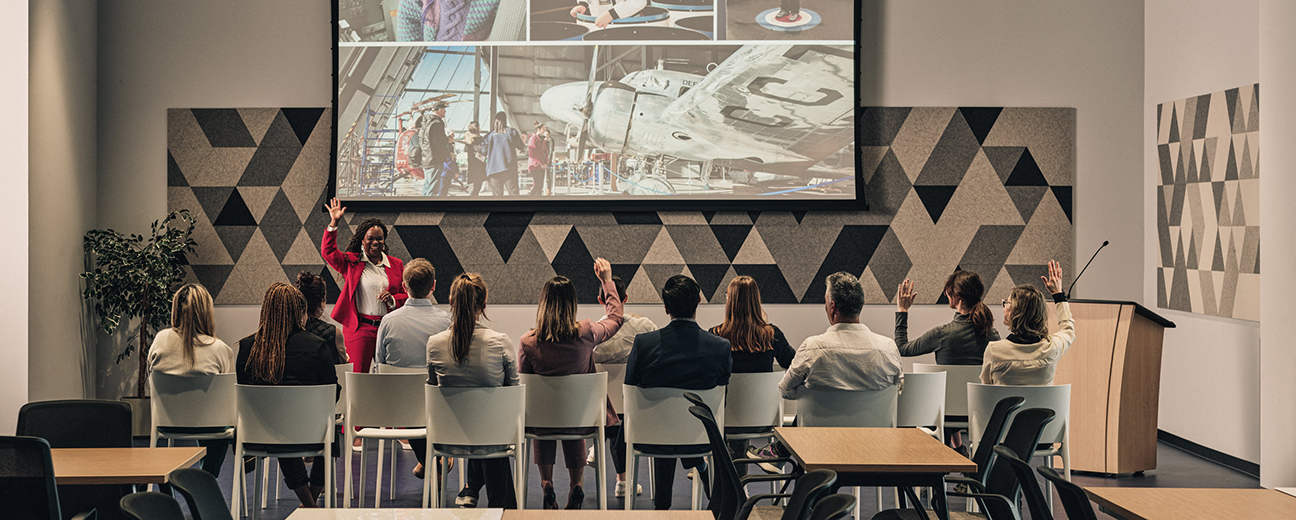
(1175, 469)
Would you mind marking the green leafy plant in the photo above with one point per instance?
(135, 277)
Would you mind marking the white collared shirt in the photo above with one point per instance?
(848, 356)
(373, 281)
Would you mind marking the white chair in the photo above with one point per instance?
(473, 417)
(982, 400)
(956, 379)
(573, 401)
(393, 369)
(660, 416)
(850, 409)
(921, 403)
(376, 403)
(615, 378)
(753, 401)
(204, 401)
(277, 415)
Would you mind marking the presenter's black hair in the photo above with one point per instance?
(681, 294)
(361, 230)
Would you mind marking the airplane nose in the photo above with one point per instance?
(563, 102)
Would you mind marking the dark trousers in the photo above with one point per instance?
(502, 184)
(616, 442)
(216, 448)
(294, 472)
(497, 476)
(538, 176)
(664, 478)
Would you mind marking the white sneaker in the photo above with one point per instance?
(589, 459)
(621, 489)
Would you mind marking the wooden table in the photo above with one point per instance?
(902, 457)
(611, 514)
(1189, 503)
(121, 465)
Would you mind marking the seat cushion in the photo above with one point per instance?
(909, 514)
(766, 513)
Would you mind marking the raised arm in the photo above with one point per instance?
(612, 305)
(328, 247)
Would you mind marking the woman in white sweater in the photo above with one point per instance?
(189, 349)
(1029, 355)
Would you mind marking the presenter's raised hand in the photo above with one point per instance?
(603, 269)
(905, 295)
(1053, 282)
(336, 211)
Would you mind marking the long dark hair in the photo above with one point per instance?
(556, 315)
(745, 325)
(362, 229)
(313, 289)
(467, 301)
(967, 286)
(282, 311)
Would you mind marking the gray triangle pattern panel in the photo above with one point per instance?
(985, 189)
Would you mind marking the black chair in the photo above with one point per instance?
(998, 496)
(201, 492)
(27, 487)
(1035, 500)
(833, 507)
(1074, 499)
(78, 423)
(728, 498)
(996, 425)
(150, 505)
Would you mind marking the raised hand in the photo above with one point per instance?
(580, 9)
(1053, 282)
(603, 269)
(905, 295)
(336, 211)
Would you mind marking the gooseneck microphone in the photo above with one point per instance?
(1091, 259)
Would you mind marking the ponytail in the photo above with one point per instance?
(982, 320)
(467, 302)
(967, 286)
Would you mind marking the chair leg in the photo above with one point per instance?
(378, 471)
(256, 488)
(524, 475)
(601, 471)
(346, 467)
(630, 477)
(857, 503)
(278, 476)
(445, 483)
(237, 486)
(364, 464)
(264, 483)
(652, 479)
(697, 490)
(330, 482)
(392, 487)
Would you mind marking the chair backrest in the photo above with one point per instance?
(1023, 434)
(993, 432)
(753, 399)
(1054, 397)
(393, 369)
(570, 401)
(1074, 499)
(342, 370)
(475, 416)
(810, 490)
(726, 491)
(922, 400)
(27, 487)
(193, 401)
(1035, 501)
(848, 408)
(615, 378)
(387, 400)
(78, 423)
(151, 505)
(285, 414)
(833, 507)
(956, 379)
(201, 492)
(661, 416)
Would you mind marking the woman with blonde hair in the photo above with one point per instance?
(1029, 355)
(471, 355)
(188, 348)
(281, 352)
(559, 345)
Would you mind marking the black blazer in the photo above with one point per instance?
(308, 360)
(679, 355)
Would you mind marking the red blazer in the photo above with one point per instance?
(352, 266)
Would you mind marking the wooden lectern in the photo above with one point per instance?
(1114, 369)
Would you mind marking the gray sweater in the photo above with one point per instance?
(955, 343)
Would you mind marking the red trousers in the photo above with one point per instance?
(360, 345)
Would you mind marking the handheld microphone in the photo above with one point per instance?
(1091, 259)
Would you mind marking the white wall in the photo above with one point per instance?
(13, 211)
(159, 55)
(62, 132)
(1195, 47)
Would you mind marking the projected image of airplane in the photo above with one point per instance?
(767, 120)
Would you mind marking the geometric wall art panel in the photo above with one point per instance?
(981, 189)
(1208, 204)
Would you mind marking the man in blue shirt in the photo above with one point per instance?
(403, 333)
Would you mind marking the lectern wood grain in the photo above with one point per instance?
(1193, 503)
(871, 450)
(121, 465)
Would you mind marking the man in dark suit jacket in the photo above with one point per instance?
(679, 355)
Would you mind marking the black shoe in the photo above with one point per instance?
(575, 498)
(550, 499)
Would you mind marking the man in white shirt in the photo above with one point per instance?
(848, 356)
(403, 333)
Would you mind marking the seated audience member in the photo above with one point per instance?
(959, 342)
(312, 287)
(558, 346)
(1029, 355)
(188, 349)
(755, 343)
(848, 356)
(614, 351)
(282, 353)
(403, 333)
(679, 355)
(471, 355)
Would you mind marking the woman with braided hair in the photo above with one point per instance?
(371, 283)
(282, 353)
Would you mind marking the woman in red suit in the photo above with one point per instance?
(371, 283)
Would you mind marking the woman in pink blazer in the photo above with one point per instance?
(371, 283)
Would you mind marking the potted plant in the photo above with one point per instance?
(134, 276)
